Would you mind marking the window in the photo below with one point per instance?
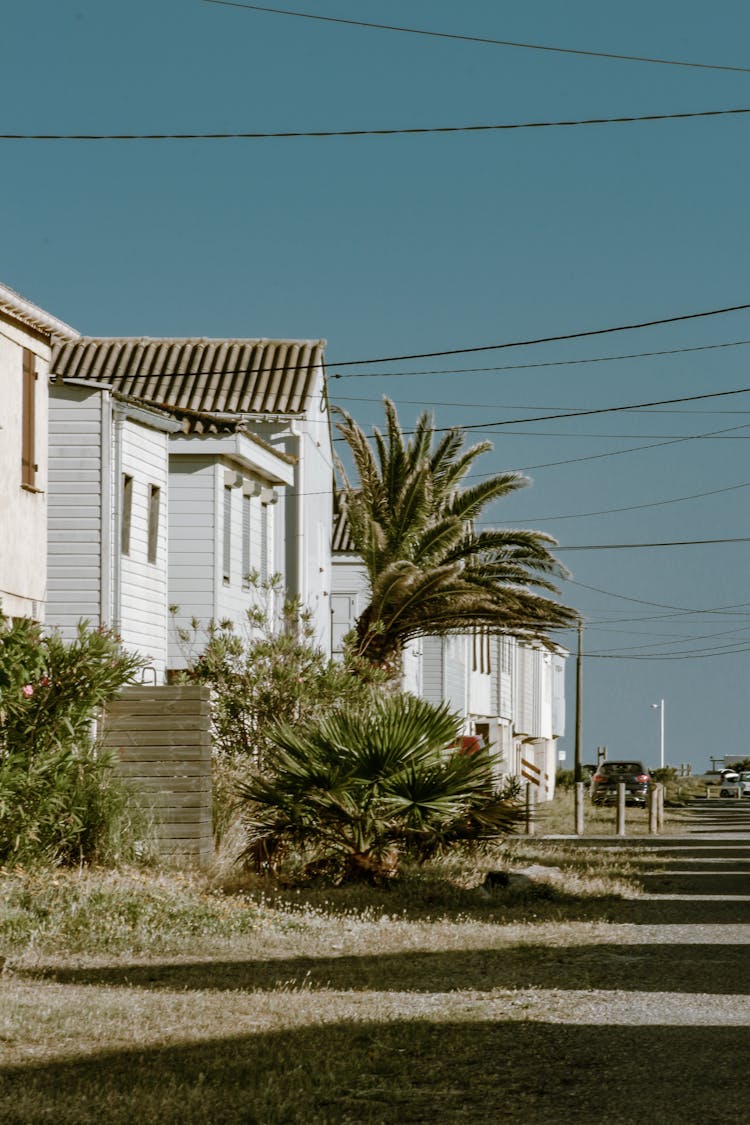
(154, 500)
(227, 540)
(127, 512)
(28, 422)
(246, 532)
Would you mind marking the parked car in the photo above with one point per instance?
(608, 776)
(740, 781)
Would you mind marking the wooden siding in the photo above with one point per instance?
(74, 509)
(454, 654)
(193, 546)
(142, 617)
(162, 739)
(432, 669)
(235, 597)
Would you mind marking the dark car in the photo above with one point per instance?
(608, 776)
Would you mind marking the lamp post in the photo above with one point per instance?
(660, 707)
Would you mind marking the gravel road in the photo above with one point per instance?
(667, 1039)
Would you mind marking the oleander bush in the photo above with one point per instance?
(61, 800)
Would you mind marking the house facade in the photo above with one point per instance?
(249, 466)
(108, 517)
(26, 333)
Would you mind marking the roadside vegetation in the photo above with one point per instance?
(61, 801)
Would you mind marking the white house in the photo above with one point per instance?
(26, 332)
(251, 471)
(224, 487)
(108, 517)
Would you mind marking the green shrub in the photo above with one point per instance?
(271, 672)
(60, 800)
(355, 792)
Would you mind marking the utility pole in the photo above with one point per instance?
(578, 770)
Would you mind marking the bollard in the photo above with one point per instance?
(653, 808)
(579, 793)
(530, 798)
(621, 808)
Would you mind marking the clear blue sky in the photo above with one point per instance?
(387, 245)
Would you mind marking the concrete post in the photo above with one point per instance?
(621, 808)
(579, 795)
(530, 803)
(652, 803)
(660, 814)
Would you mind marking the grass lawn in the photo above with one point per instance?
(148, 996)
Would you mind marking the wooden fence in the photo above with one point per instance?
(162, 738)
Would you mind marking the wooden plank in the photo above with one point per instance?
(162, 755)
(181, 705)
(169, 741)
(190, 772)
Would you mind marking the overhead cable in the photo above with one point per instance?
(483, 39)
(663, 543)
(531, 366)
(401, 131)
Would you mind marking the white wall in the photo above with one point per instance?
(79, 437)
(307, 509)
(142, 617)
(193, 546)
(23, 513)
(200, 486)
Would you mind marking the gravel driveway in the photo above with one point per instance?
(667, 1040)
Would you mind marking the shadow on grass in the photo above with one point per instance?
(400, 1072)
(683, 968)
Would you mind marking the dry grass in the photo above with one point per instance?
(150, 996)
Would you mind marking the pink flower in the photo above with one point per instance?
(28, 690)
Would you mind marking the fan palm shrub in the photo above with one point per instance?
(355, 792)
(430, 571)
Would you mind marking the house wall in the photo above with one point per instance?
(307, 510)
(234, 594)
(78, 553)
(23, 512)
(193, 546)
(203, 491)
(142, 584)
(349, 589)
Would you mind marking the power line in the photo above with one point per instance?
(664, 543)
(631, 507)
(401, 131)
(657, 605)
(425, 32)
(699, 655)
(530, 342)
(631, 327)
(622, 452)
(583, 413)
(531, 366)
(683, 639)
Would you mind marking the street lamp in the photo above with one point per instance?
(660, 707)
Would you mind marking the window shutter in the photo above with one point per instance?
(28, 421)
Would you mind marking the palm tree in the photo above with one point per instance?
(355, 792)
(430, 571)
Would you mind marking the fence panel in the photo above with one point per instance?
(162, 739)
